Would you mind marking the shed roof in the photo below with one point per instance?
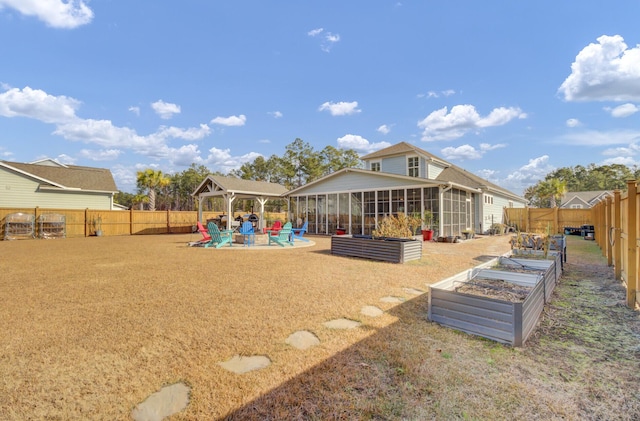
(65, 177)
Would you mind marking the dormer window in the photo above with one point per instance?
(375, 166)
(413, 166)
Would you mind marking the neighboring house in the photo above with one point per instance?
(50, 184)
(584, 199)
(401, 179)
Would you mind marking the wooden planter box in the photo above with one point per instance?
(398, 250)
(496, 319)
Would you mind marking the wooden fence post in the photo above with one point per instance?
(632, 242)
(131, 220)
(607, 232)
(617, 248)
(556, 223)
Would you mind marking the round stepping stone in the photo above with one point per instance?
(241, 365)
(392, 299)
(341, 324)
(302, 339)
(371, 311)
(413, 291)
(163, 403)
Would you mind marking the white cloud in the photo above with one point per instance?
(101, 154)
(65, 159)
(600, 138)
(622, 160)
(360, 144)
(66, 14)
(340, 108)
(222, 160)
(624, 110)
(606, 71)
(461, 152)
(275, 114)
(573, 122)
(165, 110)
(632, 149)
(192, 133)
(527, 175)
(230, 121)
(467, 152)
(384, 129)
(135, 110)
(37, 104)
(328, 39)
(444, 125)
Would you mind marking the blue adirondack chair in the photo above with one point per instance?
(248, 235)
(282, 237)
(297, 233)
(218, 238)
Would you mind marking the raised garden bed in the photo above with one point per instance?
(500, 300)
(395, 250)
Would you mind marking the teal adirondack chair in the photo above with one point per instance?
(218, 238)
(282, 237)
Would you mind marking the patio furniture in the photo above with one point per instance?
(282, 237)
(297, 233)
(218, 238)
(202, 230)
(248, 235)
(277, 226)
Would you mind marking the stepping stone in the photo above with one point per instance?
(413, 291)
(371, 311)
(241, 365)
(392, 299)
(342, 324)
(302, 340)
(163, 403)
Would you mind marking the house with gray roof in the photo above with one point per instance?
(401, 179)
(50, 184)
(584, 199)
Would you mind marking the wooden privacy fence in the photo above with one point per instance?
(616, 232)
(547, 220)
(85, 222)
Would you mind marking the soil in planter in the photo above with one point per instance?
(495, 288)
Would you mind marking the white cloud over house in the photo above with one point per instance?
(64, 14)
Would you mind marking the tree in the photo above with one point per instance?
(552, 189)
(152, 180)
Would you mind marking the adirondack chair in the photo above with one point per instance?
(202, 230)
(218, 238)
(248, 236)
(297, 233)
(277, 226)
(283, 236)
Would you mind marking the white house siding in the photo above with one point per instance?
(395, 165)
(433, 171)
(494, 213)
(22, 192)
(353, 181)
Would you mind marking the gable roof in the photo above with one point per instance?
(65, 177)
(239, 186)
(590, 198)
(451, 172)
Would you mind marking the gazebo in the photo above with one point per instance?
(230, 189)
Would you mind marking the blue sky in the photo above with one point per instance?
(509, 90)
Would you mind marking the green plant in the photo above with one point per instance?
(428, 219)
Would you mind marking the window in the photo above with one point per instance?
(575, 206)
(375, 166)
(413, 166)
(488, 200)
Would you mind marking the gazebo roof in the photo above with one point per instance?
(217, 185)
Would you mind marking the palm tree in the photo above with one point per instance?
(552, 189)
(152, 180)
(140, 200)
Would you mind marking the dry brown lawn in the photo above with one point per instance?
(92, 326)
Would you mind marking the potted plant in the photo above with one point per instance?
(97, 226)
(427, 231)
(468, 234)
